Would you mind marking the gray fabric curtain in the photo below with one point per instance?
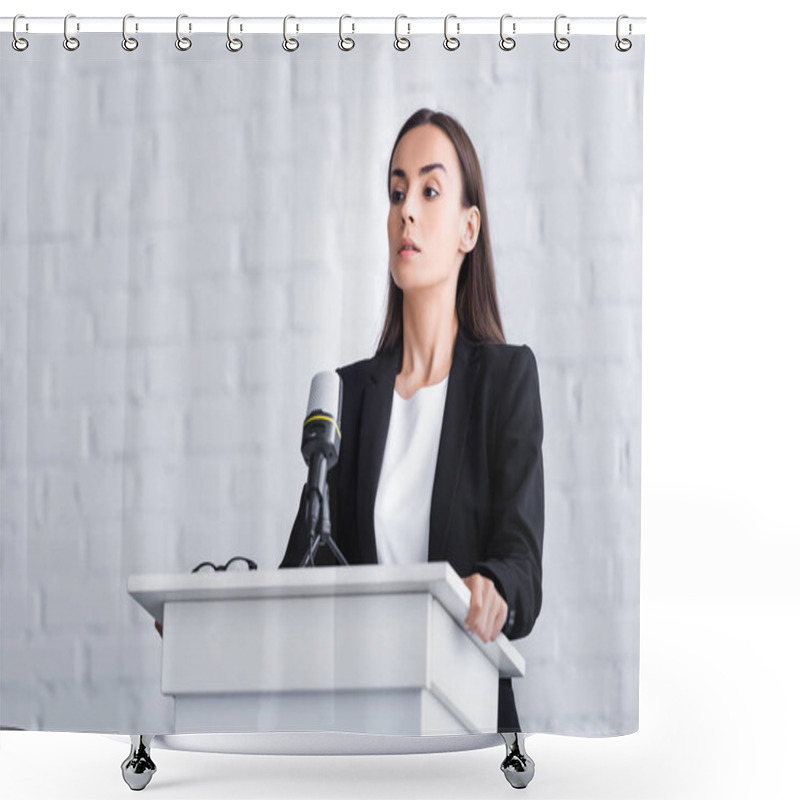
(188, 237)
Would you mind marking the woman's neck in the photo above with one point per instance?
(428, 344)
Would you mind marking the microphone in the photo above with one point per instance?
(321, 440)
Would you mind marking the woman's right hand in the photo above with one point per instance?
(160, 629)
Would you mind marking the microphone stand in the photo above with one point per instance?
(321, 538)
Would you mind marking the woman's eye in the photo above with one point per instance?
(397, 195)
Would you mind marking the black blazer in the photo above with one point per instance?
(487, 508)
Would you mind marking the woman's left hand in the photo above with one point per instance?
(487, 609)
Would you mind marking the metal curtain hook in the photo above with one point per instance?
(128, 42)
(506, 42)
(623, 45)
(346, 43)
(451, 42)
(561, 43)
(234, 45)
(70, 42)
(290, 45)
(401, 43)
(182, 42)
(18, 43)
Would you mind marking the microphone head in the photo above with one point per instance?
(325, 394)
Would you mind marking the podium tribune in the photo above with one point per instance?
(378, 649)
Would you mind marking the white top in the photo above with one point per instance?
(405, 486)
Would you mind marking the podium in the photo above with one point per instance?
(368, 648)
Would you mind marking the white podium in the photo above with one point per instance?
(377, 649)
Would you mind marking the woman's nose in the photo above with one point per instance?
(406, 211)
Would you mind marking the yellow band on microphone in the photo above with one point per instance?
(327, 419)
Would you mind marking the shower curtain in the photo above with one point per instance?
(189, 236)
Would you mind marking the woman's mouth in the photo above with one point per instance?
(408, 248)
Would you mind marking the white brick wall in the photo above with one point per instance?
(187, 238)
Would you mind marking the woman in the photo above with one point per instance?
(440, 455)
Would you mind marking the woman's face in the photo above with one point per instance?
(425, 206)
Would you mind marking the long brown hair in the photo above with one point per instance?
(476, 295)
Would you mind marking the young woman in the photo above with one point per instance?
(441, 449)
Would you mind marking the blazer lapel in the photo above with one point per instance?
(461, 386)
(376, 413)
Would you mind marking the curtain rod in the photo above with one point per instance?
(407, 26)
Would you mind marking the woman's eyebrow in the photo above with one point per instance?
(401, 173)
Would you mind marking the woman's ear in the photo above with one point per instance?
(469, 237)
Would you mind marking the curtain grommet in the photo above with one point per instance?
(345, 42)
(18, 42)
(400, 42)
(561, 43)
(70, 42)
(289, 44)
(623, 45)
(233, 44)
(183, 43)
(451, 42)
(129, 43)
(507, 42)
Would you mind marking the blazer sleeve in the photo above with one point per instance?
(513, 555)
(298, 543)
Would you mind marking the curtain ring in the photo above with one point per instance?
(290, 45)
(18, 43)
(234, 45)
(506, 42)
(181, 42)
(401, 43)
(451, 42)
(623, 45)
(128, 42)
(561, 43)
(70, 42)
(345, 42)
